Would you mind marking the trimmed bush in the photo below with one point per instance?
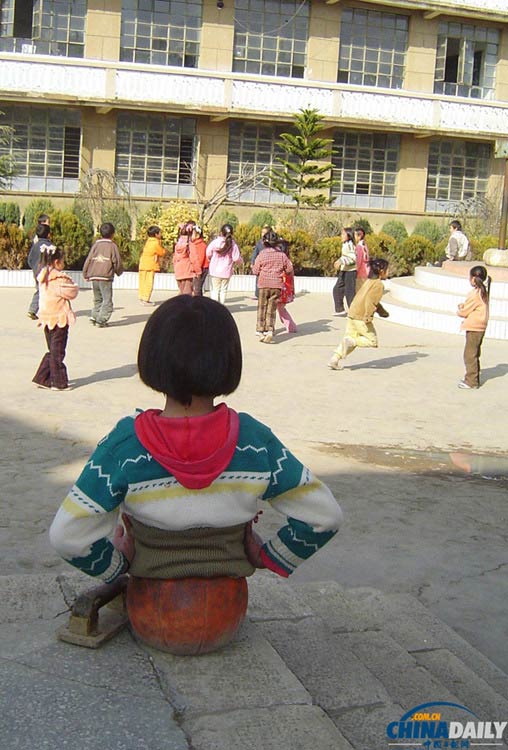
(327, 251)
(224, 217)
(72, 236)
(14, 247)
(431, 230)
(260, 218)
(361, 221)
(10, 213)
(302, 249)
(246, 238)
(168, 218)
(395, 229)
(480, 244)
(34, 209)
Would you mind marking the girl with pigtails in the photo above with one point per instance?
(56, 289)
(222, 253)
(475, 311)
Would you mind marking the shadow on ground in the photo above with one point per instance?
(387, 362)
(125, 371)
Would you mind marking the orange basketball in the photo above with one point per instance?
(187, 615)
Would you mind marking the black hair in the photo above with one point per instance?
(270, 239)
(349, 232)
(190, 347)
(42, 231)
(360, 229)
(42, 218)
(106, 230)
(153, 231)
(456, 224)
(376, 265)
(226, 231)
(481, 280)
(50, 254)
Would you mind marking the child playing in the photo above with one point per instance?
(183, 266)
(56, 289)
(197, 251)
(101, 266)
(270, 266)
(475, 311)
(149, 264)
(359, 328)
(362, 258)
(287, 292)
(189, 477)
(222, 253)
(345, 286)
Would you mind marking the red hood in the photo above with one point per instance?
(194, 449)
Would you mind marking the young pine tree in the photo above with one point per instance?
(301, 172)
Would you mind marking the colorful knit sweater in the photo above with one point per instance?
(122, 475)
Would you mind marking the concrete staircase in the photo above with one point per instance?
(315, 667)
(429, 300)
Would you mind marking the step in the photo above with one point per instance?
(315, 667)
(436, 320)
(441, 279)
(410, 290)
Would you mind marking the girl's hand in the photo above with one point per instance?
(252, 543)
(123, 538)
(337, 265)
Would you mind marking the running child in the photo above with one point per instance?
(359, 328)
(475, 311)
(270, 267)
(190, 477)
(56, 289)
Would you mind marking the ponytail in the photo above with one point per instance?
(227, 232)
(481, 281)
(49, 254)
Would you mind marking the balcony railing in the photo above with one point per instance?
(108, 85)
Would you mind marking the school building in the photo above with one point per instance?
(176, 96)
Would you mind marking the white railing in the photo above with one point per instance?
(122, 84)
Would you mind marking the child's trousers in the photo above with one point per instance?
(472, 352)
(146, 285)
(52, 372)
(286, 319)
(267, 309)
(358, 333)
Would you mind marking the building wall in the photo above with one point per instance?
(102, 42)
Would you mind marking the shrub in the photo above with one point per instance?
(395, 229)
(72, 236)
(10, 213)
(34, 209)
(480, 244)
(327, 251)
(260, 218)
(430, 230)
(246, 238)
(302, 249)
(224, 217)
(14, 247)
(168, 218)
(361, 221)
(414, 251)
(119, 217)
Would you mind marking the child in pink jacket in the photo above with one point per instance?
(223, 253)
(475, 311)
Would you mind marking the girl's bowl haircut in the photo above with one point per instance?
(190, 347)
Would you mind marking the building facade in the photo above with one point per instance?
(177, 96)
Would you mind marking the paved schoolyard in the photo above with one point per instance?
(409, 525)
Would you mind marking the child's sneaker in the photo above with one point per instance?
(336, 363)
(268, 338)
(463, 384)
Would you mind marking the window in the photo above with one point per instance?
(365, 166)
(53, 27)
(155, 155)
(466, 60)
(253, 150)
(46, 148)
(271, 37)
(161, 33)
(372, 48)
(457, 170)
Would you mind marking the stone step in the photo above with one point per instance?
(408, 289)
(315, 667)
(436, 320)
(443, 279)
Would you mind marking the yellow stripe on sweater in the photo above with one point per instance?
(178, 491)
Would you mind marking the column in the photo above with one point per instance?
(323, 43)
(412, 177)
